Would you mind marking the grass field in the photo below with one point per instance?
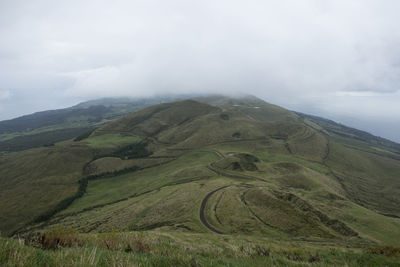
(165, 248)
(169, 196)
(202, 186)
(112, 140)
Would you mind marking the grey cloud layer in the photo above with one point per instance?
(337, 58)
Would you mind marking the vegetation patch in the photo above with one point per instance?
(236, 134)
(84, 135)
(46, 138)
(132, 151)
(224, 116)
(239, 162)
(112, 140)
(388, 251)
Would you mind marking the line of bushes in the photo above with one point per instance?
(132, 151)
(84, 135)
(48, 138)
(112, 174)
(65, 203)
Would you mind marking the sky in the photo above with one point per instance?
(337, 59)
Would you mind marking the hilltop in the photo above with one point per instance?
(227, 170)
(48, 127)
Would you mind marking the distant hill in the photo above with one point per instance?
(48, 127)
(344, 133)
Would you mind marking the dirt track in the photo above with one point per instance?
(203, 205)
(222, 172)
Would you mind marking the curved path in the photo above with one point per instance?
(203, 205)
(222, 172)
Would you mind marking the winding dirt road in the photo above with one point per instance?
(222, 172)
(203, 205)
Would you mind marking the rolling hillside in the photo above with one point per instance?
(248, 178)
(48, 127)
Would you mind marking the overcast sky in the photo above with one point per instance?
(336, 59)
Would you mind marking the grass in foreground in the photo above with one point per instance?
(65, 247)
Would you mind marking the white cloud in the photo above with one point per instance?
(99, 81)
(4, 94)
(357, 93)
(294, 53)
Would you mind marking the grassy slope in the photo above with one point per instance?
(112, 140)
(34, 180)
(369, 179)
(39, 139)
(109, 189)
(305, 185)
(352, 136)
(170, 183)
(48, 127)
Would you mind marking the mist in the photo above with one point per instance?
(335, 59)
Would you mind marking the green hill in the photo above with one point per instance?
(248, 178)
(48, 127)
